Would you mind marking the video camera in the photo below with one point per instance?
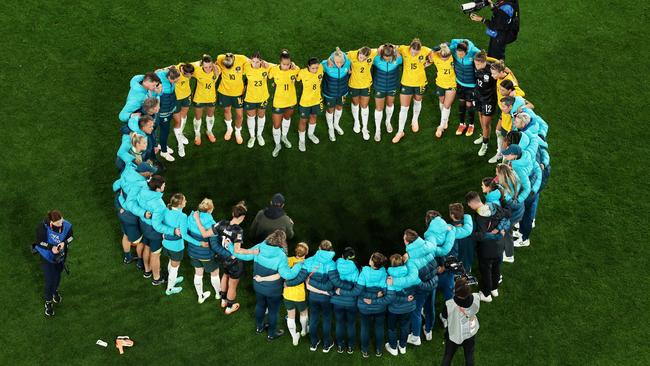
(474, 6)
(453, 265)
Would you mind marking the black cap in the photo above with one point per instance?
(277, 200)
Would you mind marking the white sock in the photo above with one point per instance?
(183, 122)
(277, 134)
(198, 285)
(444, 116)
(355, 113)
(389, 112)
(499, 141)
(303, 321)
(417, 107)
(216, 283)
(238, 131)
(329, 117)
(291, 325)
(310, 129)
(364, 118)
(197, 127)
(378, 116)
(337, 116)
(403, 114)
(250, 122)
(228, 124)
(441, 106)
(209, 123)
(260, 125)
(285, 126)
(172, 273)
(178, 132)
(301, 136)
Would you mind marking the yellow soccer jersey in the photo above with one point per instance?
(257, 89)
(205, 91)
(446, 76)
(285, 87)
(413, 73)
(361, 78)
(232, 79)
(182, 88)
(294, 293)
(506, 118)
(310, 86)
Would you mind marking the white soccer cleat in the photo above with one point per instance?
(483, 150)
(389, 127)
(286, 142)
(495, 293)
(301, 146)
(276, 150)
(260, 140)
(167, 156)
(495, 159)
(251, 142)
(356, 128)
(295, 338)
(478, 141)
(181, 150)
(366, 135)
(487, 298)
(204, 297)
(313, 139)
(377, 137)
(338, 129)
(331, 134)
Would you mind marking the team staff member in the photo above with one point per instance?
(507, 85)
(130, 182)
(284, 77)
(402, 303)
(445, 85)
(414, 82)
(142, 87)
(502, 28)
(385, 75)
(183, 93)
(463, 51)
(335, 89)
(168, 79)
(206, 74)
(257, 96)
(345, 276)
(231, 92)
(271, 218)
(486, 97)
(459, 318)
(311, 102)
(360, 84)
(53, 236)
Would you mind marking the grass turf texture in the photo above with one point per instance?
(66, 69)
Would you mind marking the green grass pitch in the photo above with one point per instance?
(577, 296)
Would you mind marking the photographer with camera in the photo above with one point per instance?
(502, 28)
(459, 317)
(53, 236)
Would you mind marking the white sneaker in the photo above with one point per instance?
(366, 135)
(295, 338)
(338, 129)
(522, 243)
(402, 350)
(517, 226)
(181, 150)
(276, 150)
(331, 134)
(167, 155)
(478, 141)
(204, 297)
(411, 339)
(170, 150)
(377, 137)
(428, 335)
(260, 140)
(389, 127)
(313, 139)
(495, 293)
(486, 298)
(508, 259)
(495, 159)
(392, 351)
(483, 150)
(301, 146)
(251, 142)
(533, 223)
(357, 127)
(286, 142)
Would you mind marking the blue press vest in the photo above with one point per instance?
(53, 238)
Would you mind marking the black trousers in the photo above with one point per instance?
(52, 273)
(490, 269)
(497, 48)
(451, 347)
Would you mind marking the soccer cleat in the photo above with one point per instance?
(428, 335)
(483, 150)
(331, 134)
(402, 350)
(231, 309)
(184, 140)
(49, 308)
(415, 126)
(389, 127)
(357, 127)
(392, 351)
(228, 135)
(128, 259)
(197, 140)
(445, 124)
(181, 150)
(56, 297)
(508, 259)
(301, 146)
(398, 137)
(460, 129)
(238, 138)
(224, 303)
(212, 138)
(350, 350)
(478, 141)
(179, 279)
(278, 333)
(158, 282)
(366, 135)
(167, 156)
(286, 142)
(495, 293)
(377, 137)
(295, 338)
(313, 139)
(147, 274)
(304, 331)
(140, 263)
(340, 349)
(470, 130)
(364, 354)
(327, 348)
(439, 131)
(251, 142)
(173, 290)
(495, 159)
(487, 298)
(276, 150)
(411, 339)
(522, 243)
(204, 297)
(314, 347)
(338, 129)
(260, 140)
(217, 296)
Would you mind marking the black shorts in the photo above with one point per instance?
(465, 93)
(486, 106)
(233, 268)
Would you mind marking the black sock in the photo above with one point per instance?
(470, 117)
(222, 294)
(461, 111)
(486, 140)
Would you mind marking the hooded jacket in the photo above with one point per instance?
(269, 261)
(370, 282)
(343, 276)
(318, 267)
(270, 219)
(399, 291)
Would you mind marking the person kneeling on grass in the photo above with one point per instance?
(459, 318)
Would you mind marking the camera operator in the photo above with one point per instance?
(53, 236)
(459, 317)
(502, 28)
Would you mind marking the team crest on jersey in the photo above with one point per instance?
(486, 78)
(369, 60)
(264, 74)
(320, 77)
(421, 58)
(293, 77)
(238, 69)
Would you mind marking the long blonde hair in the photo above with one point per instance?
(176, 200)
(206, 205)
(136, 139)
(508, 179)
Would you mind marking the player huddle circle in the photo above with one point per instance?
(315, 287)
